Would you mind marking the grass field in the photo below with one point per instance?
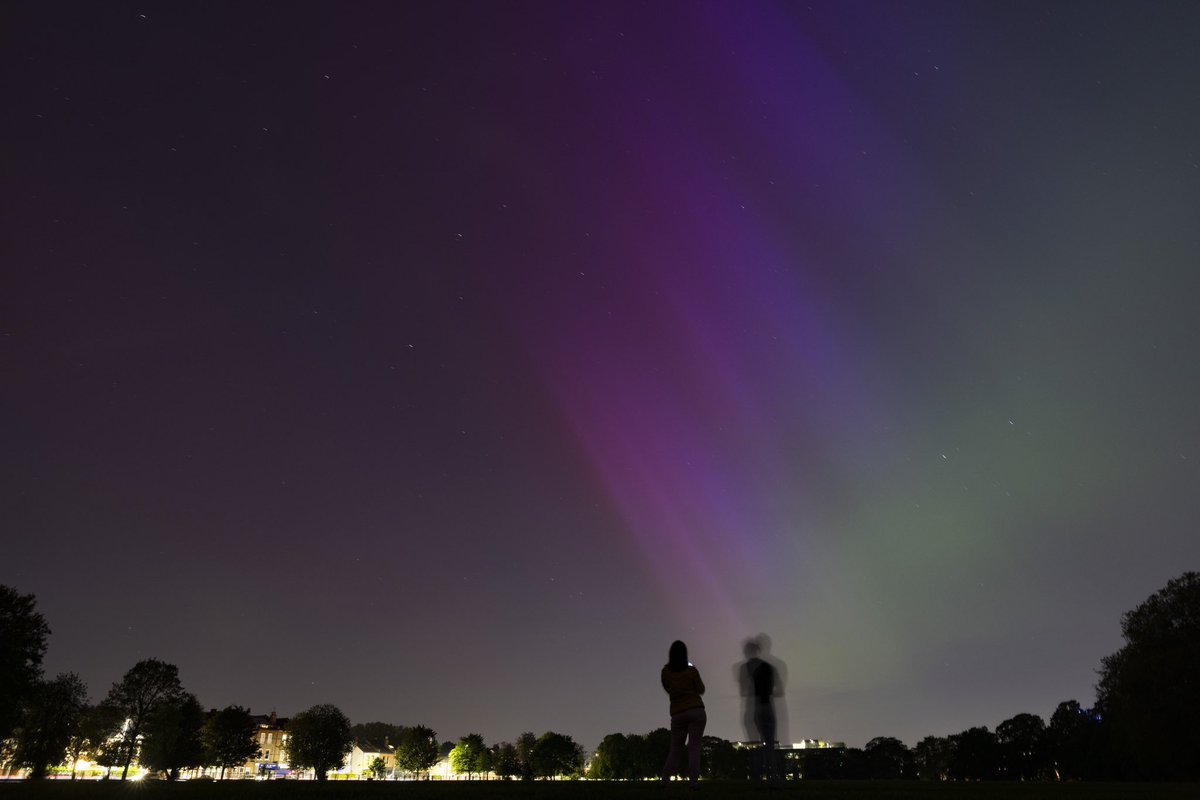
(589, 790)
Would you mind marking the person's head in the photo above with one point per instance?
(677, 656)
(751, 648)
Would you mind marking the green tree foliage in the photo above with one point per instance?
(611, 761)
(1022, 742)
(632, 756)
(556, 755)
(933, 756)
(469, 755)
(51, 716)
(888, 759)
(229, 738)
(377, 769)
(147, 685)
(23, 633)
(1149, 690)
(460, 759)
(319, 739)
(171, 736)
(418, 751)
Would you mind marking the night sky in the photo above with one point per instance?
(445, 361)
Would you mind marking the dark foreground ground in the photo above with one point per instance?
(589, 790)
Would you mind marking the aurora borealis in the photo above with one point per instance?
(445, 362)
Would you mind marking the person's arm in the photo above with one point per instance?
(699, 682)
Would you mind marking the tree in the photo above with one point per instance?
(933, 755)
(229, 738)
(888, 759)
(1022, 741)
(524, 747)
(171, 736)
(319, 739)
(95, 729)
(611, 761)
(460, 759)
(146, 686)
(1149, 690)
(651, 752)
(51, 715)
(976, 755)
(721, 760)
(469, 755)
(504, 760)
(556, 754)
(377, 769)
(1072, 742)
(418, 751)
(852, 764)
(23, 633)
(377, 733)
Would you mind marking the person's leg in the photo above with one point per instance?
(765, 727)
(770, 745)
(678, 733)
(695, 731)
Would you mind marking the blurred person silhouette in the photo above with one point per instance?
(683, 685)
(761, 678)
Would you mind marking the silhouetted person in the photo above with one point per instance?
(683, 685)
(761, 682)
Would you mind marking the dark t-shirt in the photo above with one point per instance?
(762, 675)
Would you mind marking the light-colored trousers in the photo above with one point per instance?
(686, 725)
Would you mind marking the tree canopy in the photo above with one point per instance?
(418, 751)
(51, 716)
(91, 733)
(23, 633)
(504, 760)
(1149, 690)
(147, 685)
(229, 738)
(171, 736)
(96, 733)
(1022, 742)
(377, 733)
(887, 758)
(319, 739)
(469, 755)
(556, 754)
(1072, 740)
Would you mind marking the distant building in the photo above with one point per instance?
(805, 758)
(272, 749)
(363, 755)
(803, 744)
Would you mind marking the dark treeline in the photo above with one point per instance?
(1142, 726)
(148, 718)
(551, 755)
(1071, 747)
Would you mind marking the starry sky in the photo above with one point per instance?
(446, 361)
